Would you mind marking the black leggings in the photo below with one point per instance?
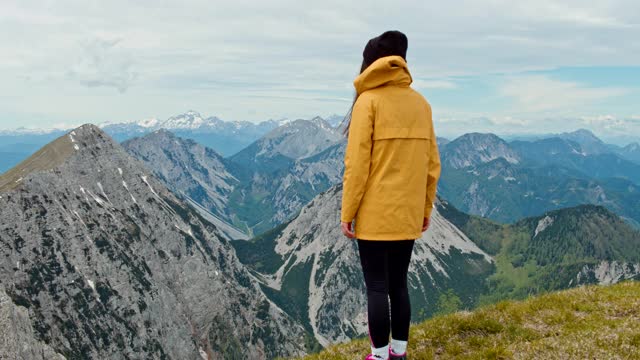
(385, 265)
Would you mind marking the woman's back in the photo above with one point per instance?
(392, 162)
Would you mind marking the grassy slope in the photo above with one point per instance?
(527, 264)
(48, 157)
(594, 322)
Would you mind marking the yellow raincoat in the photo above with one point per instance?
(392, 164)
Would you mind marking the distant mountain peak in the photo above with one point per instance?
(590, 143)
(322, 123)
(335, 120)
(477, 148)
(149, 123)
(584, 132)
(161, 133)
(634, 146)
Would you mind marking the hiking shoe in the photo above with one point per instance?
(394, 356)
(373, 357)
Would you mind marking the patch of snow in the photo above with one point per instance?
(509, 178)
(217, 273)
(203, 354)
(96, 198)
(79, 218)
(144, 178)
(103, 193)
(543, 224)
(120, 171)
(84, 193)
(148, 123)
(75, 146)
(72, 139)
(19, 180)
(91, 284)
(124, 183)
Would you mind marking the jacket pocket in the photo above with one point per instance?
(399, 132)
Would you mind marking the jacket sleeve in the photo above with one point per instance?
(357, 157)
(433, 174)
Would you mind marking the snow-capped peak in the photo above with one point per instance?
(149, 123)
(189, 120)
(322, 123)
(281, 121)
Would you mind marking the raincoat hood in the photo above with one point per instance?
(389, 70)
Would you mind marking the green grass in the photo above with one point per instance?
(593, 322)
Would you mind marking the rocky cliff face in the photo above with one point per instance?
(17, 340)
(306, 178)
(283, 171)
(234, 189)
(608, 272)
(298, 139)
(99, 260)
(187, 168)
(475, 148)
(320, 280)
(281, 146)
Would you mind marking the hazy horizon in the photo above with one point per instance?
(509, 136)
(534, 68)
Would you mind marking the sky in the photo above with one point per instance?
(502, 66)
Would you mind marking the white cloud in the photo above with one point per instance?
(102, 63)
(613, 124)
(434, 84)
(536, 93)
(207, 54)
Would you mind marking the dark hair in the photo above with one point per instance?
(347, 117)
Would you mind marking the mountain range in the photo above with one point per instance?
(100, 260)
(259, 187)
(160, 246)
(482, 174)
(225, 137)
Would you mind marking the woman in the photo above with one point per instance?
(392, 167)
